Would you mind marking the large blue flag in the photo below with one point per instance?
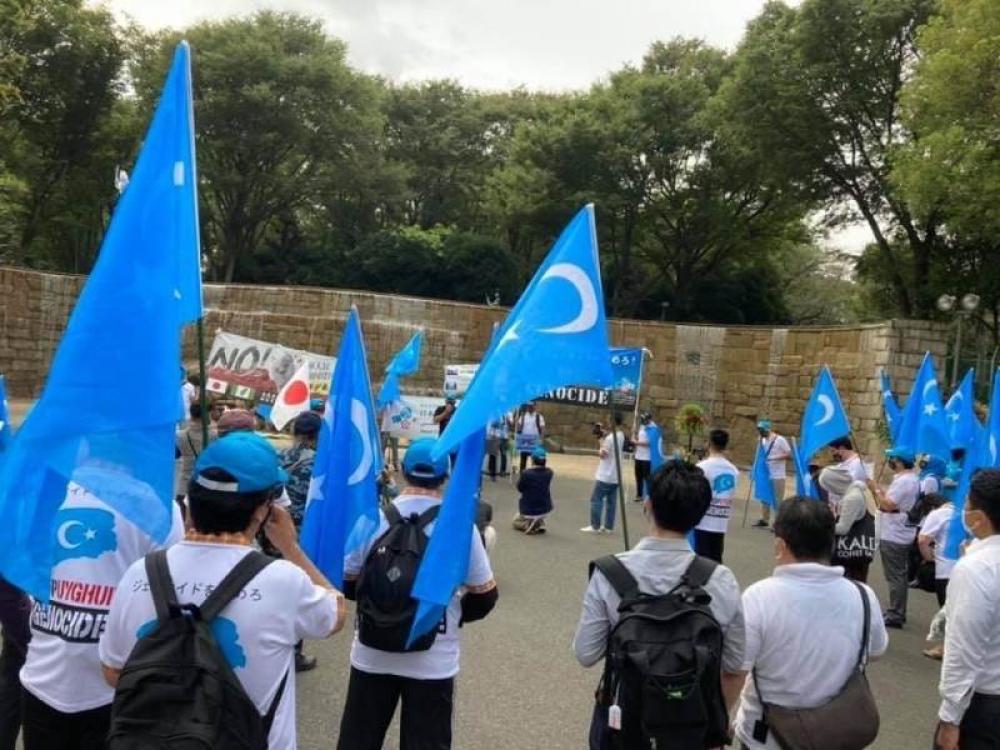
(824, 419)
(556, 335)
(406, 362)
(5, 429)
(342, 509)
(107, 415)
(890, 407)
(961, 414)
(763, 488)
(924, 428)
(446, 560)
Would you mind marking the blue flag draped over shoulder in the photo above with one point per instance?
(107, 416)
(446, 559)
(824, 419)
(960, 413)
(890, 407)
(556, 335)
(406, 362)
(763, 488)
(342, 509)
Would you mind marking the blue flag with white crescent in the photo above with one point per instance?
(446, 560)
(107, 415)
(924, 428)
(406, 362)
(556, 335)
(763, 488)
(5, 429)
(909, 420)
(890, 407)
(342, 503)
(960, 414)
(824, 419)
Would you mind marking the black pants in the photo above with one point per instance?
(856, 569)
(980, 729)
(941, 589)
(492, 464)
(425, 722)
(48, 729)
(709, 544)
(641, 475)
(524, 461)
(11, 661)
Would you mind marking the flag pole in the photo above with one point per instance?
(202, 371)
(618, 469)
(746, 505)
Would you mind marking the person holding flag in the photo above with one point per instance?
(86, 486)
(777, 451)
(722, 475)
(386, 668)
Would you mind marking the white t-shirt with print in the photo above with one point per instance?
(722, 476)
(903, 491)
(530, 425)
(441, 660)
(778, 450)
(257, 631)
(607, 468)
(94, 546)
(642, 452)
(936, 525)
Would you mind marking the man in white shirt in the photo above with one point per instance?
(231, 497)
(842, 451)
(970, 674)
(67, 704)
(641, 457)
(932, 539)
(423, 681)
(679, 495)
(896, 535)
(804, 624)
(604, 496)
(722, 475)
(777, 451)
(529, 431)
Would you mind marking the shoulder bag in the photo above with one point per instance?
(848, 721)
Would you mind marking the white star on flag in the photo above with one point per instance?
(929, 410)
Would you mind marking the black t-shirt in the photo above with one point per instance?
(444, 422)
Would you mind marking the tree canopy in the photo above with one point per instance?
(714, 173)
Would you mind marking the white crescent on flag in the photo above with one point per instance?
(292, 399)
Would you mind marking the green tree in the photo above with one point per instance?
(816, 91)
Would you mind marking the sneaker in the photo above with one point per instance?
(590, 530)
(761, 524)
(894, 622)
(605, 530)
(304, 663)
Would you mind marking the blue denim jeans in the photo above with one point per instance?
(604, 495)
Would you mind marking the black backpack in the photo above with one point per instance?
(177, 690)
(662, 670)
(385, 608)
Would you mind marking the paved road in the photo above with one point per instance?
(520, 686)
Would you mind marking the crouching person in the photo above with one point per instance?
(173, 686)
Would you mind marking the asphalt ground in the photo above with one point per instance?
(520, 685)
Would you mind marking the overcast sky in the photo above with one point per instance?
(493, 44)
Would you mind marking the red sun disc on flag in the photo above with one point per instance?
(297, 393)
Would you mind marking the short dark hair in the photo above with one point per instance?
(807, 527)
(424, 483)
(215, 512)
(902, 462)
(195, 410)
(842, 442)
(718, 439)
(984, 494)
(679, 495)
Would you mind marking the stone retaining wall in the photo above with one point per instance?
(736, 373)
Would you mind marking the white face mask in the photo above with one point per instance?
(965, 525)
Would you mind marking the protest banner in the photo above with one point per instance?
(256, 370)
(626, 364)
(412, 417)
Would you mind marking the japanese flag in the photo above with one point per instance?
(292, 399)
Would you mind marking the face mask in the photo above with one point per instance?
(965, 524)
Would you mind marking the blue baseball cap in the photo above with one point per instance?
(902, 453)
(540, 453)
(764, 424)
(248, 457)
(418, 461)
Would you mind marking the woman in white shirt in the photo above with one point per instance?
(853, 507)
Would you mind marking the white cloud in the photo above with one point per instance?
(540, 44)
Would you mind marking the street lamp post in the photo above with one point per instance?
(968, 305)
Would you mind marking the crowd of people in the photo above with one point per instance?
(87, 669)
